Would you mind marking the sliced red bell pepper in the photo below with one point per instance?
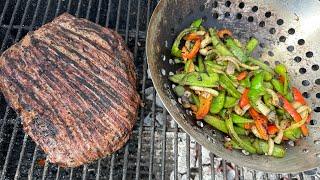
(242, 75)
(260, 121)
(192, 37)
(298, 96)
(244, 100)
(272, 129)
(204, 107)
(194, 50)
(184, 53)
(281, 79)
(294, 114)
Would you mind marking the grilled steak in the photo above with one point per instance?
(73, 83)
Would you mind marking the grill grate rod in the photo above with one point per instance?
(126, 151)
(34, 156)
(175, 150)
(12, 140)
(25, 139)
(152, 134)
(163, 159)
(188, 155)
(10, 26)
(45, 169)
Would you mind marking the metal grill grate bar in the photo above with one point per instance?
(143, 93)
(108, 13)
(13, 137)
(84, 172)
(164, 143)
(152, 134)
(34, 157)
(212, 166)
(22, 22)
(224, 169)
(25, 139)
(58, 8)
(58, 173)
(4, 119)
(10, 25)
(111, 167)
(78, 8)
(118, 15)
(188, 155)
(89, 9)
(4, 10)
(71, 174)
(45, 169)
(126, 152)
(98, 170)
(199, 149)
(175, 150)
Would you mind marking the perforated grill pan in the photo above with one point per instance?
(289, 32)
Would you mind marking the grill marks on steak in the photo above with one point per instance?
(73, 83)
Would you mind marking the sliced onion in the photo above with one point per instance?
(238, 110)
(297, 124)
(230, 68)
(272, 117)
(246, 108)
(304, 114)
(206, 51)
(296, 104)
(275, 98)
(271, 146)
(241, 89)
(303, 108)
(262, 107)
(208, 90)
(252, 68)
(201, 33)
(255, 132)
(206, 41)
(188, 44)
(279, 137)
(231, 59)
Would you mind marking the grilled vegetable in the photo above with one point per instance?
(237, 94)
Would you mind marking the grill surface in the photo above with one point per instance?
(158, 148)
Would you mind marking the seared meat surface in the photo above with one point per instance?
(73, 83)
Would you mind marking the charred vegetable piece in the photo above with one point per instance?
(219, 46)
(201, 64)
(262, 65)
(293, 134)
(251, 45)
(294, 114)
(278, 86)
(204, 106)
(262, 147)
(282, 70)
(227, 84)
(175, 47)
(244, 145)
(197, 23)
(239, 119)
(257, 89)
(218, 103)
(298, 96)
(230, 102)
(179, 90)
(221, 125)
(196, 79)
(236, 51)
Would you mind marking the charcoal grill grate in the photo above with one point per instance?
(153, 151)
